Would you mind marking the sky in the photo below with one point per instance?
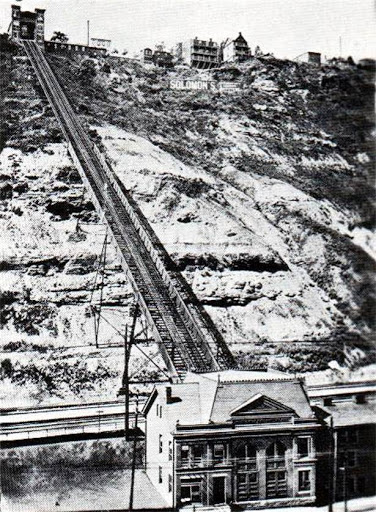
(286, 28)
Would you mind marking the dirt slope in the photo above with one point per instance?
(263, 197)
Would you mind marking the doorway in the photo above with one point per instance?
(219, 495)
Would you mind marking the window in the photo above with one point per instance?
(190, 491)
(276, 484)
(160, 411)
(251, 451)
(241, 451)
(219, 452)
(361, 484)
(353, 435)
(351, 458)
(276, 450)
(351, 485)
(247, 486)
(185, 493)
(157, 410)
(160, 476)
(304, 480)
(184, 453)
(197, 451)
(169, 483)
(245, 450)
(170, 450)
(160, 443)
(304, 446)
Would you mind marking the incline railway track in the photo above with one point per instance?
(187, 338)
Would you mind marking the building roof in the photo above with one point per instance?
(216, 397)
(231, 395)
(347, 414)
(240, 39)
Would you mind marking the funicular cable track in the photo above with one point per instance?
(186, 342)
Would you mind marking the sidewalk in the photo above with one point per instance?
(356, 505)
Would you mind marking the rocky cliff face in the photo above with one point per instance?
(262, 197)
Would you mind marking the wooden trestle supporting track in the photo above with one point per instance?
(187, 337)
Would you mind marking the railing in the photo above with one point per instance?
(195, 462)
(246, 463)
(211, 59)
(158, 257)
(275, 462)
(202, 462)
(213, 52)
(204, 44)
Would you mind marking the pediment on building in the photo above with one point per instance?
(261, 404)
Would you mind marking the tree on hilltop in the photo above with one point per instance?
(60, 36)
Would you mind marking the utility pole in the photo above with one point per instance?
(100, 272)
(99, 421)
(340, 46)
(131, 491)
(127, 352)
(88, 32)
(345, 485)
(332, 463)
(344, 470)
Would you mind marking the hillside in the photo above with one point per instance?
(263, 197)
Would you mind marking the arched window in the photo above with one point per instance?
(245, 450)
(276, 450)
(251, 451)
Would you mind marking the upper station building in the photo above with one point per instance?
(233, 437)
(27, 25)
(236, 50)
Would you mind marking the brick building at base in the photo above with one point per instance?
(233, 437)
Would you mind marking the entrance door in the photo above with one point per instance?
(219, 490)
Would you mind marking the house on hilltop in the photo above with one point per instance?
(310, 57)
(97, 42)
(232, 437)
(163, 59)
(236, 50)
(147, 56)
(159, 57)
(198, 53)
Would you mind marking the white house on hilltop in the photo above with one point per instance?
(236, 50)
